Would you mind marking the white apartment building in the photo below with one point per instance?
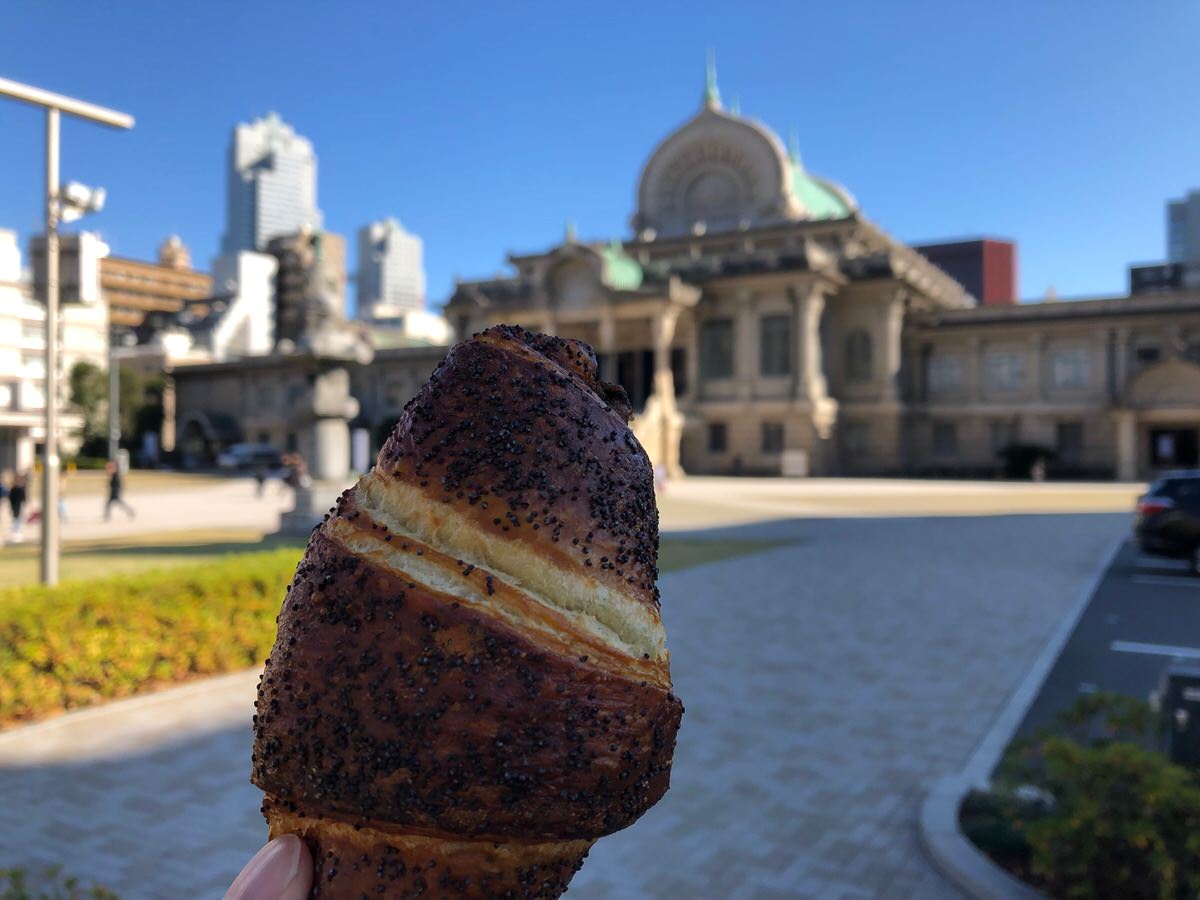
(391, 271)
(271, 185)
(84, 336)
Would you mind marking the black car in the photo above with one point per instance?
(1168, 518)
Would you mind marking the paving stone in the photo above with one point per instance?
(828, 685)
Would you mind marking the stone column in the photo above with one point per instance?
(812, 367)
(663, 331)
(168, 425)
(332, 409)
(1037, 349)
(1122, 360)
(974, 365)
(745, 347)
(608, 346)
(892, 350)
(1127, 461)
(667, 432)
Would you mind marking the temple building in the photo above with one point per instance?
(762, 323)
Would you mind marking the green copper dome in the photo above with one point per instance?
(822, 199)
(621, 271)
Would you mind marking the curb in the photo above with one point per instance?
(967, 867)
(168, 695)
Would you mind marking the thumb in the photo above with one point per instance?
(282, 870)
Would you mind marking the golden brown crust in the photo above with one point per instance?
(366, 861)
(552, 628)
(516, 432)
(386, 699)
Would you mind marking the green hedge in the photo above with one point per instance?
(1090, 808)
(86, 641)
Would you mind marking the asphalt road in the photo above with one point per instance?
(1144, 612)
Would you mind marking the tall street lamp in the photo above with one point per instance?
(59, 205)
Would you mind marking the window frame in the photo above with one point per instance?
(1074, 360)
(939, 363)
(713, 429)
(938, 449)
(859, 356)
(772, 428)
(782, 323)
(1008, 362)
(708, 358)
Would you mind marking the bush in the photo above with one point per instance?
(89, 462)
(1021, 459)
(1124, 822)
(15, 884)
(85, 641)
(1091, 809)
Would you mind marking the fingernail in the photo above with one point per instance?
(271, 871)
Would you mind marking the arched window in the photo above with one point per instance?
(858, 355)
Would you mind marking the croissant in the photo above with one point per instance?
(469, 685)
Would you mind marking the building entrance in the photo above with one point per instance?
(1174, 448)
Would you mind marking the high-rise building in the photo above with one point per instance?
(136, 288)
(986, 267)
(271, 183)
(391, 272)
(1183, 229)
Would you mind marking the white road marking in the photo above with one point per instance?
(1166, 580)
(1155, 649)
(1159, 562)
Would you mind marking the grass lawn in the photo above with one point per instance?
(97, 558)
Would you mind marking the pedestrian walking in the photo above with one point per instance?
(114, 492)
(16, 500)
(291, 475)
(260, 480)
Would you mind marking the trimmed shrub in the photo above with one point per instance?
(1125, 822)
(85, 641)
(1092, 809)
(16, 884)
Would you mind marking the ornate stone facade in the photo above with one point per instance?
(761, 323)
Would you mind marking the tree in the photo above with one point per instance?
(89, 394)
(141, 408)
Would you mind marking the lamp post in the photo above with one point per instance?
(55, 105)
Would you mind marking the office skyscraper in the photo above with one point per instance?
(271, 183)
(391, 273)
(1183, 228)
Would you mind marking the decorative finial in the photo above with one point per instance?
(794, 146)
(712, 96)
(570, 236)
(735, 106)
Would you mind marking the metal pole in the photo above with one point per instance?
(50, 444)
(114, 399)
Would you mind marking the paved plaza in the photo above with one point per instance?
(828, 683)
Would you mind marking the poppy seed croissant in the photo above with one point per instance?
(469, 684)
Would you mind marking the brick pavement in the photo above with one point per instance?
(828, 684)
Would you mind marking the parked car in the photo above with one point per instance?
(247, 457)
(1168, 518)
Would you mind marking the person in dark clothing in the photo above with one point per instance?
(16, 500)
(114, 492)
(260, 479)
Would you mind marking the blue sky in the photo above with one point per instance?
(483, 127)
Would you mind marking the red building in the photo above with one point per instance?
(986, 267)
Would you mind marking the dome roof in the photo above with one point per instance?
(819, 197)
(722, 171)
